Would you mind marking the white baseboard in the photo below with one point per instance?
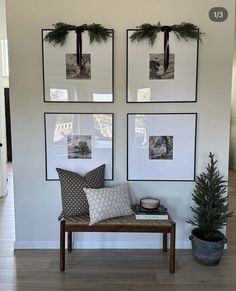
(24, 245)
(98, 244)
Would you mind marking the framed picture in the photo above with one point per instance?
(63, 81)
(147, 81)
(161, 146)
(78, 142)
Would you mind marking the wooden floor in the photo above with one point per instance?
(110, 270)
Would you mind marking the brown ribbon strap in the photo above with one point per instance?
(79, 31)
(166, 30)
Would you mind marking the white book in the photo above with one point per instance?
(152, 216)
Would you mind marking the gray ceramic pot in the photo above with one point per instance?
(206, 252)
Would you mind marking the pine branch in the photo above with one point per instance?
(98, 33)
(186, 31)
(58, 35)
(146, 31)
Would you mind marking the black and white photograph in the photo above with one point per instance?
(160, 147)
(79, 147)
(72, 69)
(156, 67)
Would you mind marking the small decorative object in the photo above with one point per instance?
(78, 63)
(210, 215)
(159, 213)
(157, 75)
(161, 146)
(78, 142)
(149, 203)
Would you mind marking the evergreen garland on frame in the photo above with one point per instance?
(96, 32)
(149, 32)
(58, 36)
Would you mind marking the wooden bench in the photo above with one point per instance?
(120, 224)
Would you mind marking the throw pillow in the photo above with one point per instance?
(107, 203)
(74, 201)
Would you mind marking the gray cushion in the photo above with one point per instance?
(107, 203)
(74, 201)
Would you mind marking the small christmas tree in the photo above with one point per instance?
(211, 210)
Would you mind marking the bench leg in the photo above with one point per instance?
(172, 248)
(69, 242)
(164, 242)
(62, 246)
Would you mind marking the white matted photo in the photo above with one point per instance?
(161, 146)
(63, 81)
(147, 81)
(78, 142)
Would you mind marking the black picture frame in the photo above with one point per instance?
(61, 92)
(158, 169)
(58, 141)
(165, 94)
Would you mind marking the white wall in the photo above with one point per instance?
(3, 83)
(37, 201)
(3, 156)
(3, 34)
(232, 156)
(3, 28)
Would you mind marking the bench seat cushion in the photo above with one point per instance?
(128, 220)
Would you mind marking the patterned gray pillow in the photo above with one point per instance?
(74, 201)
(107, 203)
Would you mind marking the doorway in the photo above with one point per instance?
(8, 124)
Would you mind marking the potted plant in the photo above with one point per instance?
(210, 214)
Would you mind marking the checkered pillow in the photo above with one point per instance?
(107, 203)
(74, 201)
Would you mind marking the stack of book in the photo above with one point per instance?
(159, 213)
